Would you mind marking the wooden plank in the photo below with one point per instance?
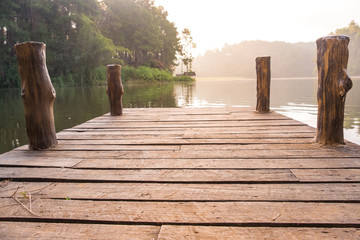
(170, 232)
(220, 163)
(158, 163)
(248, 135)
(39, 161)
(203, 136)
(177, 147)
(104, 147)
(325, 175)
(196, 154)
(178, 130)
(337, 192)
(9, 188)
(198, 124)
(230, 213)
(34, 230)
(148, 175)
(71, 135)
(191, 147)
(190, 117)
(181, 141)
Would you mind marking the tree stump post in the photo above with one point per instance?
(115, 89)
(333, 84)
(263, 74)
(38, 95)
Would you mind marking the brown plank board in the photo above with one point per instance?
(197, 154)
(187, 118)
(158, 163)
(325, 192)
(67, 135)
(33, 230)
(162, 131)
(323, 175)
(171, 232)
(230, 213)
(176, 147)
(182, 141)
(143, 163)
(198, 124)
(149, 175)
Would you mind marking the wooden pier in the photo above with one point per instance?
(184, 173)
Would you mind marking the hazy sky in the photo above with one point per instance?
(214, 23)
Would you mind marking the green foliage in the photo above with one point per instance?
(144, 30)
(143, 73)
(82, 37)
(184, 79)
(352, 31)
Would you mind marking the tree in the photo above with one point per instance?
(352, 31)
(82, 37)
(12, 30)
(144, 30)
(187, 45)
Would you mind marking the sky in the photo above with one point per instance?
(214, 23)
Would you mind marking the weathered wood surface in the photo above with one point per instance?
(115, 89)
(38, 95)
(151, 174)
(263, 76)
(170, 232)
(333, 85)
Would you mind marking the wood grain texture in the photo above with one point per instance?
(179, 174)
(311, 192)
(333, 85)
(38, 95)
(263, 76)
(29, 230)
(170, 232)
(115, 89)
(230, 213)
(149, 175)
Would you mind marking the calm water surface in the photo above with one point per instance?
(295, 98)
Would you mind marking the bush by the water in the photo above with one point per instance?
(127, 74)
(150, 74)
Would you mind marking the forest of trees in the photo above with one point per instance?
(287, 59)
(82, 37)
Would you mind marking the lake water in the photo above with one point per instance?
(293, 97)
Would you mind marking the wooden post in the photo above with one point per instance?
(115, 89)
(263, 74)
(38, 95)
(333, 84)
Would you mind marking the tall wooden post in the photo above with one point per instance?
(333, 84)
(38, 95)
(263, 74)
(115, 89)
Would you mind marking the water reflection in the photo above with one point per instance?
(75, 105)
(295, 98)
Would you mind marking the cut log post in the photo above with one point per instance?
(38, 95)
(333, 84)
(263, 74)
(115, 89)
